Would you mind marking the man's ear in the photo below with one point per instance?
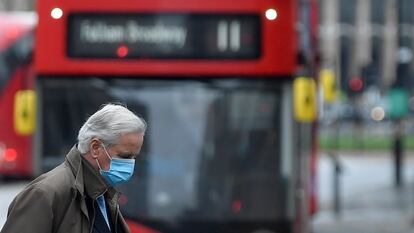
(95, 145)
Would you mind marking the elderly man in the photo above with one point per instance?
(79, 195)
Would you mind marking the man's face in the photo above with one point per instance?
(128, 147)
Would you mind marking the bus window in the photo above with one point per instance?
(15, 56)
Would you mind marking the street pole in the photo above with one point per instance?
(401, 82)
(337, 186)
(398, 154)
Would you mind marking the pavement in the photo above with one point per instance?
(370, 200)
(7, 192)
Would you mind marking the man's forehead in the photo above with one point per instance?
(130, 142)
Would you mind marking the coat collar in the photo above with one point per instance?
(88, 180)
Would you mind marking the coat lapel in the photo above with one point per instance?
(74, 160)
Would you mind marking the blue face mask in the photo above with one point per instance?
(120, 170)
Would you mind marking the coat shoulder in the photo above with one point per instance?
(57, 183)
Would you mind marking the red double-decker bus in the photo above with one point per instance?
(223, 152)
(16, 74)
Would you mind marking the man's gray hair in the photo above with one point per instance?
(108, 124)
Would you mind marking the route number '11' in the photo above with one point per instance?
(228, 36)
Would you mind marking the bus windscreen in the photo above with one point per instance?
(211, 155)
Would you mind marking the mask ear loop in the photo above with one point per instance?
(107, 154)
(98, 165)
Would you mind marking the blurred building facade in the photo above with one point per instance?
(16, 5)
(368, 39)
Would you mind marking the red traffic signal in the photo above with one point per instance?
(356, 84)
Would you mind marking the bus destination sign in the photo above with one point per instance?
(164, 36)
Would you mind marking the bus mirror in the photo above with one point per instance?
(24, 112)
(304, 99)
(328, 83)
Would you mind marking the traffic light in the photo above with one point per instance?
(356, 85)
(328, 84)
